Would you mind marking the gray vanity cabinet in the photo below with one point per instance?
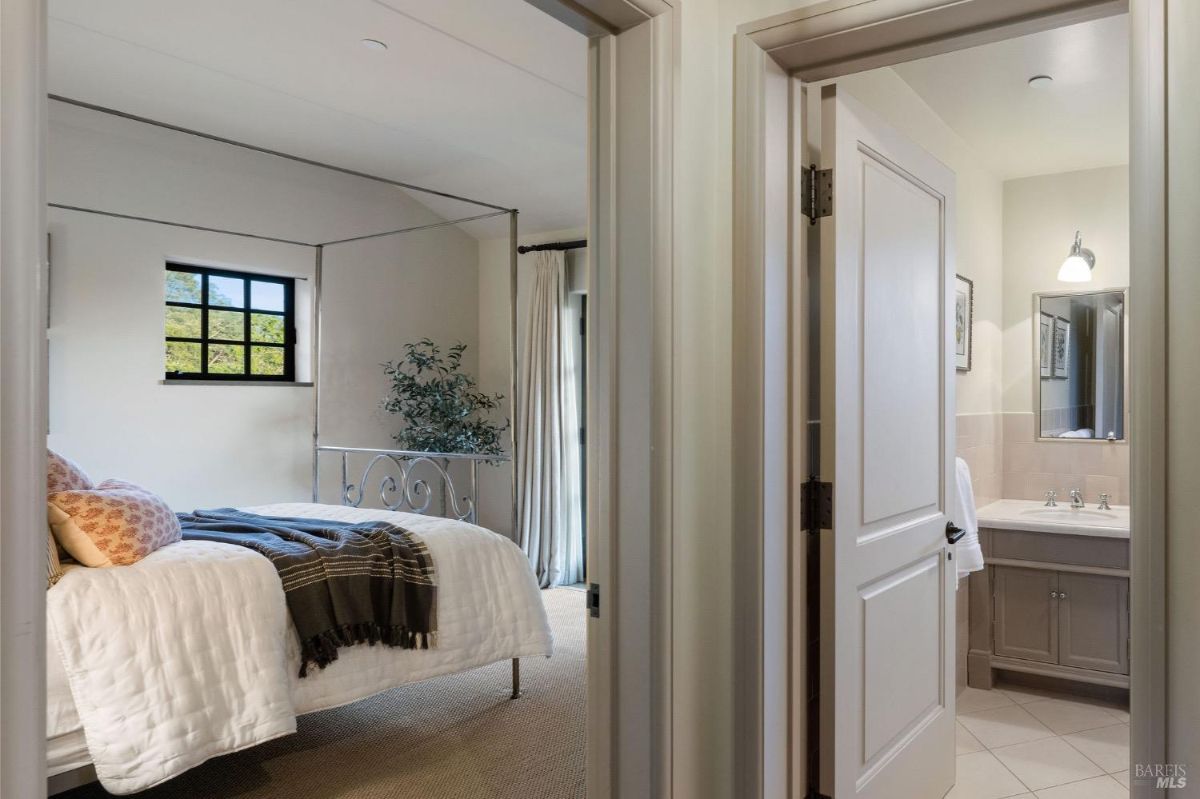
(1052, 605)
(1093, 622)
(1026, 622)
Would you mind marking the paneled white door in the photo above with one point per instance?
(887, 445)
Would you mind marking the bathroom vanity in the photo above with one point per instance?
(1053, 599)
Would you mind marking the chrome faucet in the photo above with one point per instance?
(1077, 499)
(1052, 499)
(1103, 502)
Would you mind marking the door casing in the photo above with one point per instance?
(840, 37)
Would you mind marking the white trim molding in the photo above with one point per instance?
(1148, 387)
(22, 398)
(601, 17)
(630, 407)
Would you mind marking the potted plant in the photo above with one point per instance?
(442, 409)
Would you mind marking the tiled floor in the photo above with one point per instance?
(1028, 744)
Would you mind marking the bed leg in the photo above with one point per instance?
(516, 678)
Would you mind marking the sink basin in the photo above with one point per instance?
(1022, 514)
(1068, 515)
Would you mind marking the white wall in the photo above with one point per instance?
(208, 445)
(1041, 215)
(495, 482)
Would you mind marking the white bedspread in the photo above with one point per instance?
(189, 653)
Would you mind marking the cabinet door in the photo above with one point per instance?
(1026, 626)
(1093, 622)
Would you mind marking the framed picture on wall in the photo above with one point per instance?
(964, 322)
(1062, 348)
(1046, 345)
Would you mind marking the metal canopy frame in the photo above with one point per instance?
(319, 256)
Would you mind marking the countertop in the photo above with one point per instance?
(1023, 514)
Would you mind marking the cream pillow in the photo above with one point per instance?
(62, 474)
(114, 524)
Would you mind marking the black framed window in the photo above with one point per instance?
(231, 326)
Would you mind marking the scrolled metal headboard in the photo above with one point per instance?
(404, 485)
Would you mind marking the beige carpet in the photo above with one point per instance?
(455, 737)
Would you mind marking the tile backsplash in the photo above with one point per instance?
(1033, 467)
(1007, 462)
(981, 445)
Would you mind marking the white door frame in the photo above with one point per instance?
(22, 398)
(634, 73)
(840, 37)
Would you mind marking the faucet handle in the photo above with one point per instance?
(1104, 502)
(1051, 499)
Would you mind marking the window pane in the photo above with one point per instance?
(183, 356)
(266, 360)
(230, 325)
(183, 322)
(183, 286)
(266, 296)
(226, 359)
(227, 291)
(266, 327)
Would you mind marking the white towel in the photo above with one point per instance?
(968, 554)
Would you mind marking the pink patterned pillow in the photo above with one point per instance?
(115, 524)
(63, 474)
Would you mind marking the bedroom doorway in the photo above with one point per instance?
(613, 93)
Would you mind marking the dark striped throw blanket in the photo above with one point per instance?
(345, 583)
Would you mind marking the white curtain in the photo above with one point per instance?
(549, 524)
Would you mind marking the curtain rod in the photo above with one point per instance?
(553, 245)
(266, 151)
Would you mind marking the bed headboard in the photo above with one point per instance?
(414, 482)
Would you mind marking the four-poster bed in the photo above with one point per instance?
(405, 488)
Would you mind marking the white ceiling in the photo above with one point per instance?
(1081, 121)
(479, 98)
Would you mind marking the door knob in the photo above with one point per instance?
(954, 533)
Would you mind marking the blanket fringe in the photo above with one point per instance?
(322, 649)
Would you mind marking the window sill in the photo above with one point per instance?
(294, 384)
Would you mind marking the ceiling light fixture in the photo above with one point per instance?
(1040, 81)
(1079, 264)
(374, 44)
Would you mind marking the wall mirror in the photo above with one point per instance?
(1079, 360)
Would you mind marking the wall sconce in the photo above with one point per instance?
(1079, 264)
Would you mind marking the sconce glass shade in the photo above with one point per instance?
(1079, 264)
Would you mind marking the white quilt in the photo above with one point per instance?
(189, 653)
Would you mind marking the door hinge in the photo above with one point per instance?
(816, 500)
(593, 601)
(817, 187)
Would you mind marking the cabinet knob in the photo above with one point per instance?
(1054, 595)
(1063, 595)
